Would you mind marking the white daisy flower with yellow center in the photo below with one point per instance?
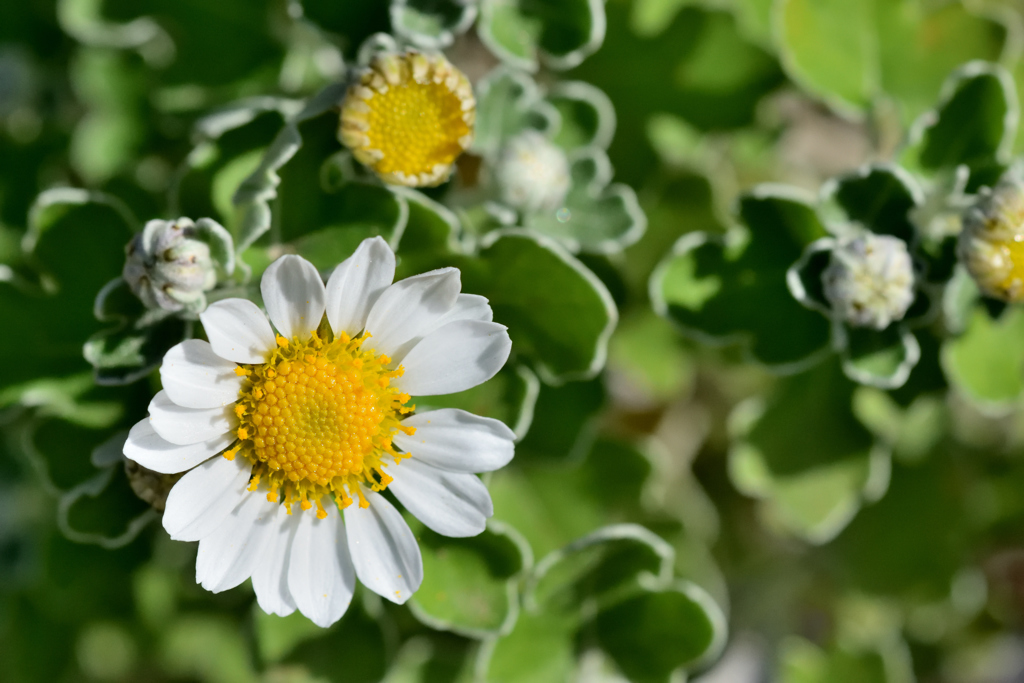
(289, 438)
(408, 117)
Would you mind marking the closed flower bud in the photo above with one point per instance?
(991, 244)
(168, 269)
(870, 280)
(533, 173)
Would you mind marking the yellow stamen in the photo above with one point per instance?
(408, 117)
(317, 419)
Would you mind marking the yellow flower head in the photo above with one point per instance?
(408, 117)
(991, 245)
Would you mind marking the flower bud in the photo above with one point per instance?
(533, 173)
(870, 280)
(991, 244)
(168, 269)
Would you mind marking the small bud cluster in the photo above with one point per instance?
(168, 268)
(991, 245)
(533, 173)
(870, 280)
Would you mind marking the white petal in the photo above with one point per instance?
(409, 307)
(455, 440)
(228, 556)
(183, 426)
(357, 283)
(196, 377)
(451, 503)
(321, 577)
(238, 331)
(201, 500)
(456, 357)
(270, 577)
(467, 307)
(294, 296)
(156, 453)
(384, 551)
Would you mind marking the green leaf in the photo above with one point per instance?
(650, 636)
(470, 585)
(277, 636)
(595, 217)
(360, 211)
(975, 122)
(132, 349)
(587, 115)
(508, 102)
(431, 24)
(804, 662)
(806, 454)
(536, 288)
(986, 363)
(727, 292)
(599, 569)
(538, 650)
(880, 197)
(878, 358)
(206, 647)
(561, 33)
(852, 52)
(253, 196)
(649, 359)
(922, 527)
(675, 71)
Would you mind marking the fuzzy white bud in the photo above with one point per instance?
(533, 173)
(168, 269)
(870, 280)
(991, 244)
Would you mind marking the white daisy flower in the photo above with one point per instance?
(289, 438)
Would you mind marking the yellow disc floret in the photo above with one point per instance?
(408, 117)
(317, 419)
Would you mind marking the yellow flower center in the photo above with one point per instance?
(317, 419)
(409, 117)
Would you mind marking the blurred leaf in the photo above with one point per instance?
(470, 585)
(880, 197)
(508, 102)
(879, 358)
(699, 67)
(727, 293)
(975, 122)
(561, 33)
(652, 635)
(986, 363)
(913, 541)
(432, 24)
(650, 358)
(596, 216)
(208, 648)
(807, 455)
(277, 636)
(538, 650)
(803, 662)
(851, 53)
(587, 116)
(355, 645)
